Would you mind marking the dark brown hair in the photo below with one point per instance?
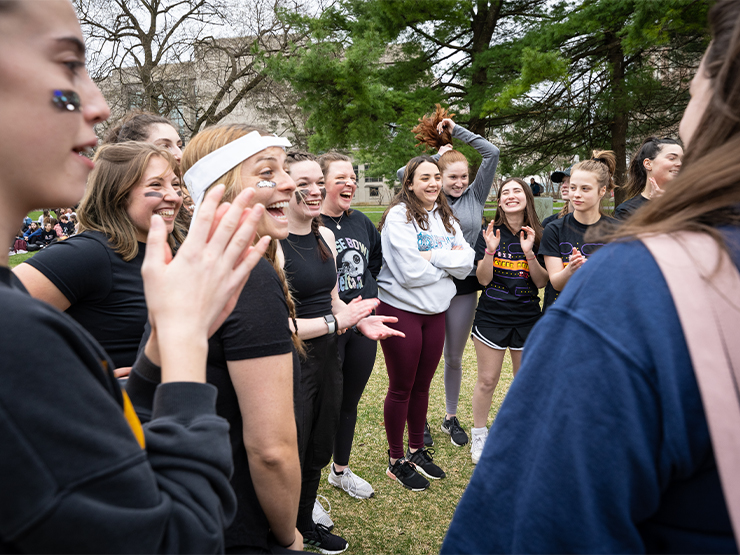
(414, 208)
(706, 193)
(134, 126)
(118, 169)
(300, 156)
(637, 174)
(426, 131)
(530, 214)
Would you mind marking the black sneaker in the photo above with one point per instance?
(424, 463)
(404, 474)
(451, 426)
(320, 539)
(428, 439)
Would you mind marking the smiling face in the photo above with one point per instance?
(157, 192)
(42, 50)
(341, 184)
(585, 193)
(455, 179)
(667, 164)
(305, 204)
(512, 198)
(269, 166)
(427, 184)
(165, 136)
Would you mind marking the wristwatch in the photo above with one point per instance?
(331, 323)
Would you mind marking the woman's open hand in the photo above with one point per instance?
(190, 295)
(374, 327)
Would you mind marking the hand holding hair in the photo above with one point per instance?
(444, 149)
(447, 122)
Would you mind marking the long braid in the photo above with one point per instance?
(316, 223)
(271, 255)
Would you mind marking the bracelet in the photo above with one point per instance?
(525, 256)
(331, 323)
(490, 253)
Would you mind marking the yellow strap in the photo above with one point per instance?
(130, 414)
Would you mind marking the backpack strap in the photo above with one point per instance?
(706, 292)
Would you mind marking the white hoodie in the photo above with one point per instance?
(406, 280)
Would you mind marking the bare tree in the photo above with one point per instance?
(197, 62)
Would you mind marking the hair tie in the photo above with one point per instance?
(600, 160)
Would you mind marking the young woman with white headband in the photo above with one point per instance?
(252, 357)
(79, 471)
(310, 251)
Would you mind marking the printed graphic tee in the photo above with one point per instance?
(511, 299)
(561, 237)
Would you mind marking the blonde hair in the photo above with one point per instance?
(603, 164)
(118, 169)
(211, 139)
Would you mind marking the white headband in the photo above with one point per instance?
(209, 168)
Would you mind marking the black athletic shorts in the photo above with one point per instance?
(502, 338)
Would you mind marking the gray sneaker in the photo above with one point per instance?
(351, 483)
(321, 515)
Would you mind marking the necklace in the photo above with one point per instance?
(336, 222)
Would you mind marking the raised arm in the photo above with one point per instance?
(481, 186)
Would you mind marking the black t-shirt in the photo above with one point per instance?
(359, 255)
(106, 293)
(629, 207)
(257, 327)
(68, 228)
(511, 299)
(311, 279)
(549, 219)
(48, 236)
(561, 237)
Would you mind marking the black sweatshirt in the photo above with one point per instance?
(73, 475)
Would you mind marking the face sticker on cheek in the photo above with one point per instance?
(66, 101)
(154, 194)
(263, 184)
(300, 195)
(323, 193)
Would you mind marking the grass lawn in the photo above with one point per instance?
(397, 520)
(16, 259)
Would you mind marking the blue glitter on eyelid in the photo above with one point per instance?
(66, 101)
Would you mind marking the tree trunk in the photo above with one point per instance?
(483, 25)
(619, 121)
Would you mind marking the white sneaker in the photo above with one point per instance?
(478, 441)
(351, 483)
(320, 514)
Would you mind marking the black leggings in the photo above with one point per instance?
(321, 392)
(357, 356)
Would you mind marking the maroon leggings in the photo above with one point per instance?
(411, 363)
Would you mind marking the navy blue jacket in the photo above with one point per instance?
(601, 444)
